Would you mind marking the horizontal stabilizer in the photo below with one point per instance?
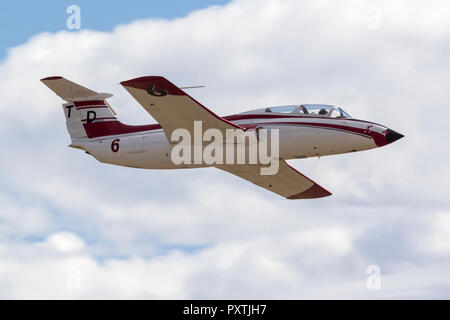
(70, 91)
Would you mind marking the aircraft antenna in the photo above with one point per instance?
(193, 87)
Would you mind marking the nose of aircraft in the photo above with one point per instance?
(392, 136)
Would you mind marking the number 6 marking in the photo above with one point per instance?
(115, 145)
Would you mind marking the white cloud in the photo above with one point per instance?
(64, 242)
(19, 219)
(437, 241)
(73, 227)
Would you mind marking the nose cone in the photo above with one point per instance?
(392, 136)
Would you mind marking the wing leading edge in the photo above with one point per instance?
(288, 182)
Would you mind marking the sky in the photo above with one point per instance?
(71, 227)
(21, 20)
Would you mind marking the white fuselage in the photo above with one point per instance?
(299, 137)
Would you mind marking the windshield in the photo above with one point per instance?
(282, 109)
(344, 114)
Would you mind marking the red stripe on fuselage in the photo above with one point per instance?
(106, 128)
(236, 117)
(318, 124)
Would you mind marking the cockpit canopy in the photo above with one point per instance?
(321, 110)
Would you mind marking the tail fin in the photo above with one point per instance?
(83, 108)
(88, 114)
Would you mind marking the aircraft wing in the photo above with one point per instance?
(288, 182)
(172, 107)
